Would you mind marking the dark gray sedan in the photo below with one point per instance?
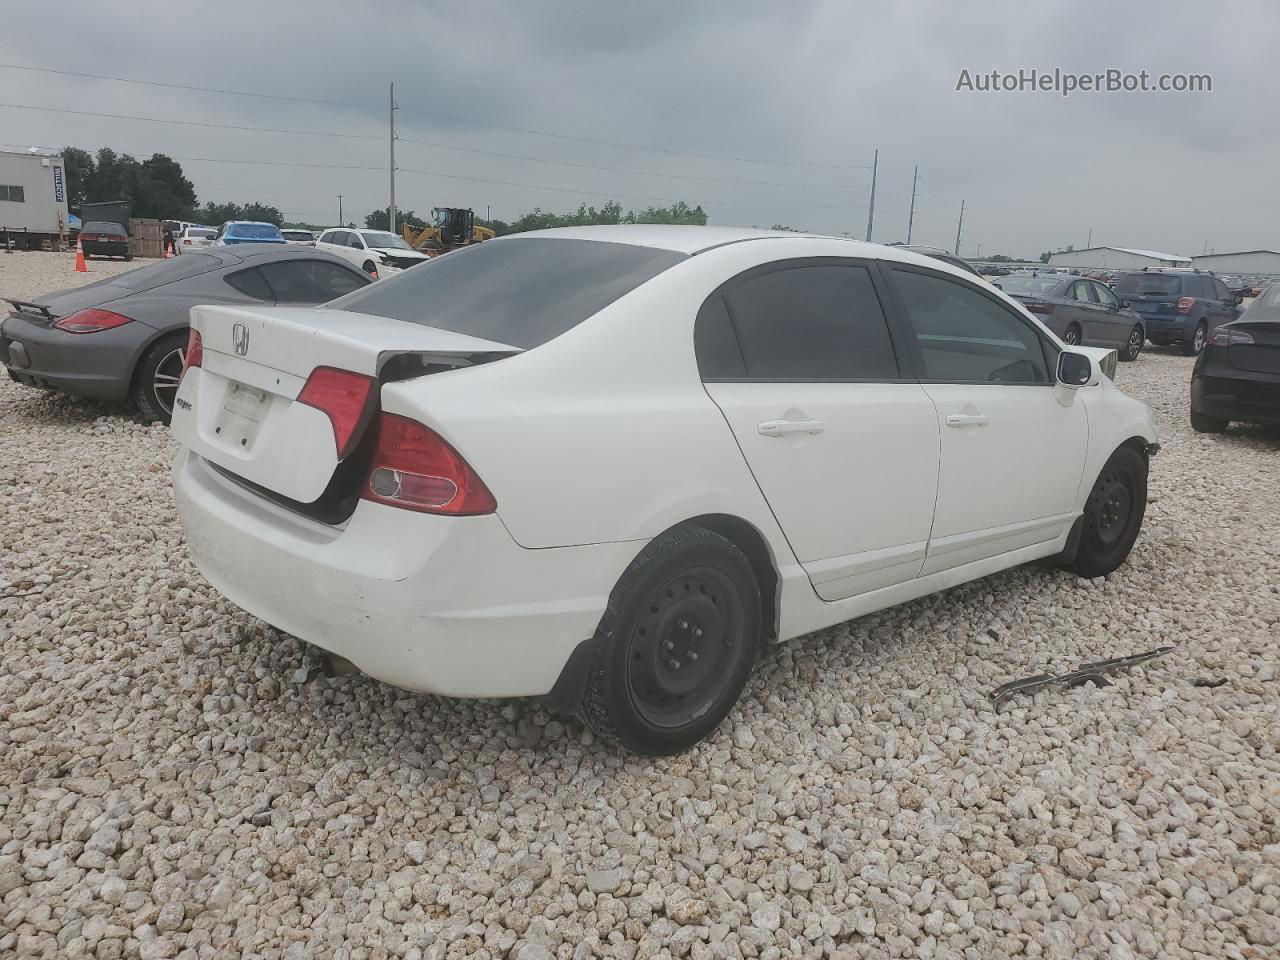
(124, 338)
(1079, 310)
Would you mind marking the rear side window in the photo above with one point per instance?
(815, 322)
(251, 283)
(1220, 291)
(966, 337)
(520, 291)
(309, 281)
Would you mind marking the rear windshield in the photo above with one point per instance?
(1266, 307)
(196, 232)
(1024, 285)
(102, 226)
(1148, 284)
(521, 291)
(257, 231)
(167, 271)
(297, 235)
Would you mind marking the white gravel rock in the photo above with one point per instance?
(167, 791)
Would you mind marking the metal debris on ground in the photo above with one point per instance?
(1095, 673)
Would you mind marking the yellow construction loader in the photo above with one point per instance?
(451, 227)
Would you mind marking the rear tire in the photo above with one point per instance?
(1112, 515)
(1072, 336)
(1201, 423)
(155, 380)
(676, 644)
(1133, 346)
(1192, 346)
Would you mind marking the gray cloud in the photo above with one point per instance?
(812, 83)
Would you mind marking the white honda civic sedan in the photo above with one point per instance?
(608, 465)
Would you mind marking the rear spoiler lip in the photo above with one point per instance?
(26, 306)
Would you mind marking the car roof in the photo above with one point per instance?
(694, 239)
(250, 223)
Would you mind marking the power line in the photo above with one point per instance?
(194, 123)
(437, 116)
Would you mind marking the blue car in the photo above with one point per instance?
(1183, 306)
(247, 231)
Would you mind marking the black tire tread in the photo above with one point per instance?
(1087, 561)
(594, 709)
(1203, 423)
(139, 395)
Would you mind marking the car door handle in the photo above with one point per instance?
(966, 420)
(780, 428)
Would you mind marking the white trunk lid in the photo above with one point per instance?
(239, 410)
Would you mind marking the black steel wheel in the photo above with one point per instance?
(676, 644)
(1113, 514)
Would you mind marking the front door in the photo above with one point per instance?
(1012, 442)
(799, 358)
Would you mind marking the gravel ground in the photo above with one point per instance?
(177, 779)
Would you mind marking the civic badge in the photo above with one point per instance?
(240, 339)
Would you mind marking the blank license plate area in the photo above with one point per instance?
(241, 417)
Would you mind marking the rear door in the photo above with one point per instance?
(799, 357)
(1012, 449)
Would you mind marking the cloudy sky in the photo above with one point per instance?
(763, 112)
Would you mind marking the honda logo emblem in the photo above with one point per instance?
(240, 339)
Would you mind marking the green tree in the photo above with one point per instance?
(609, 213)
(263, 214)
(216, 214)
(77, 167)
(378, 220)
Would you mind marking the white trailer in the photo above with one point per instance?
(33, 198)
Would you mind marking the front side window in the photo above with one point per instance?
(1105, 296)
(965, 336)
(1082, 290)
(811, 322)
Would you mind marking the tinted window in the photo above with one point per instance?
(812, 322)
(250, 283)
(104, 226)
(521, 291)
(352, 239)
(715, 343)
(256, 231)
(965, 336)
(309, 281)
(1149, 284)
(197, 232)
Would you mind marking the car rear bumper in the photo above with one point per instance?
(445, 605)
(1253, 398)
(1167, 328)
(95, 365)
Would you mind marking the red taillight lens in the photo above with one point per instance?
(346, 398)
(194, 355)
(416, 469)
(1227, 337)
(1043, 309)
(1184, 305)
(186, 241)
(90, 321)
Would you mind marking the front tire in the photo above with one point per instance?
(1192, 346)
(1112, 515)
(1133, 346)
(676, 644)
(155, 381)
(1201, 423)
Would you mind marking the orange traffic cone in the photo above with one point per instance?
(166, 255)
(81, 266)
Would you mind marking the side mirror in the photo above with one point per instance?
(1125, 304)
(1075, 370)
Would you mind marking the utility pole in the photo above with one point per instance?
(340, 223)
(871, 210)
(958, 226)
(978, 255)
(911, 217)
(1088, 244)
(391, 207)
(487, 217)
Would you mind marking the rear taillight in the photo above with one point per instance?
(415, 468)
(90, 321)
(1229, 337)
(1044, 309)
(186, 241)
(194, 354)
(347, 399)
(1184, 305)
